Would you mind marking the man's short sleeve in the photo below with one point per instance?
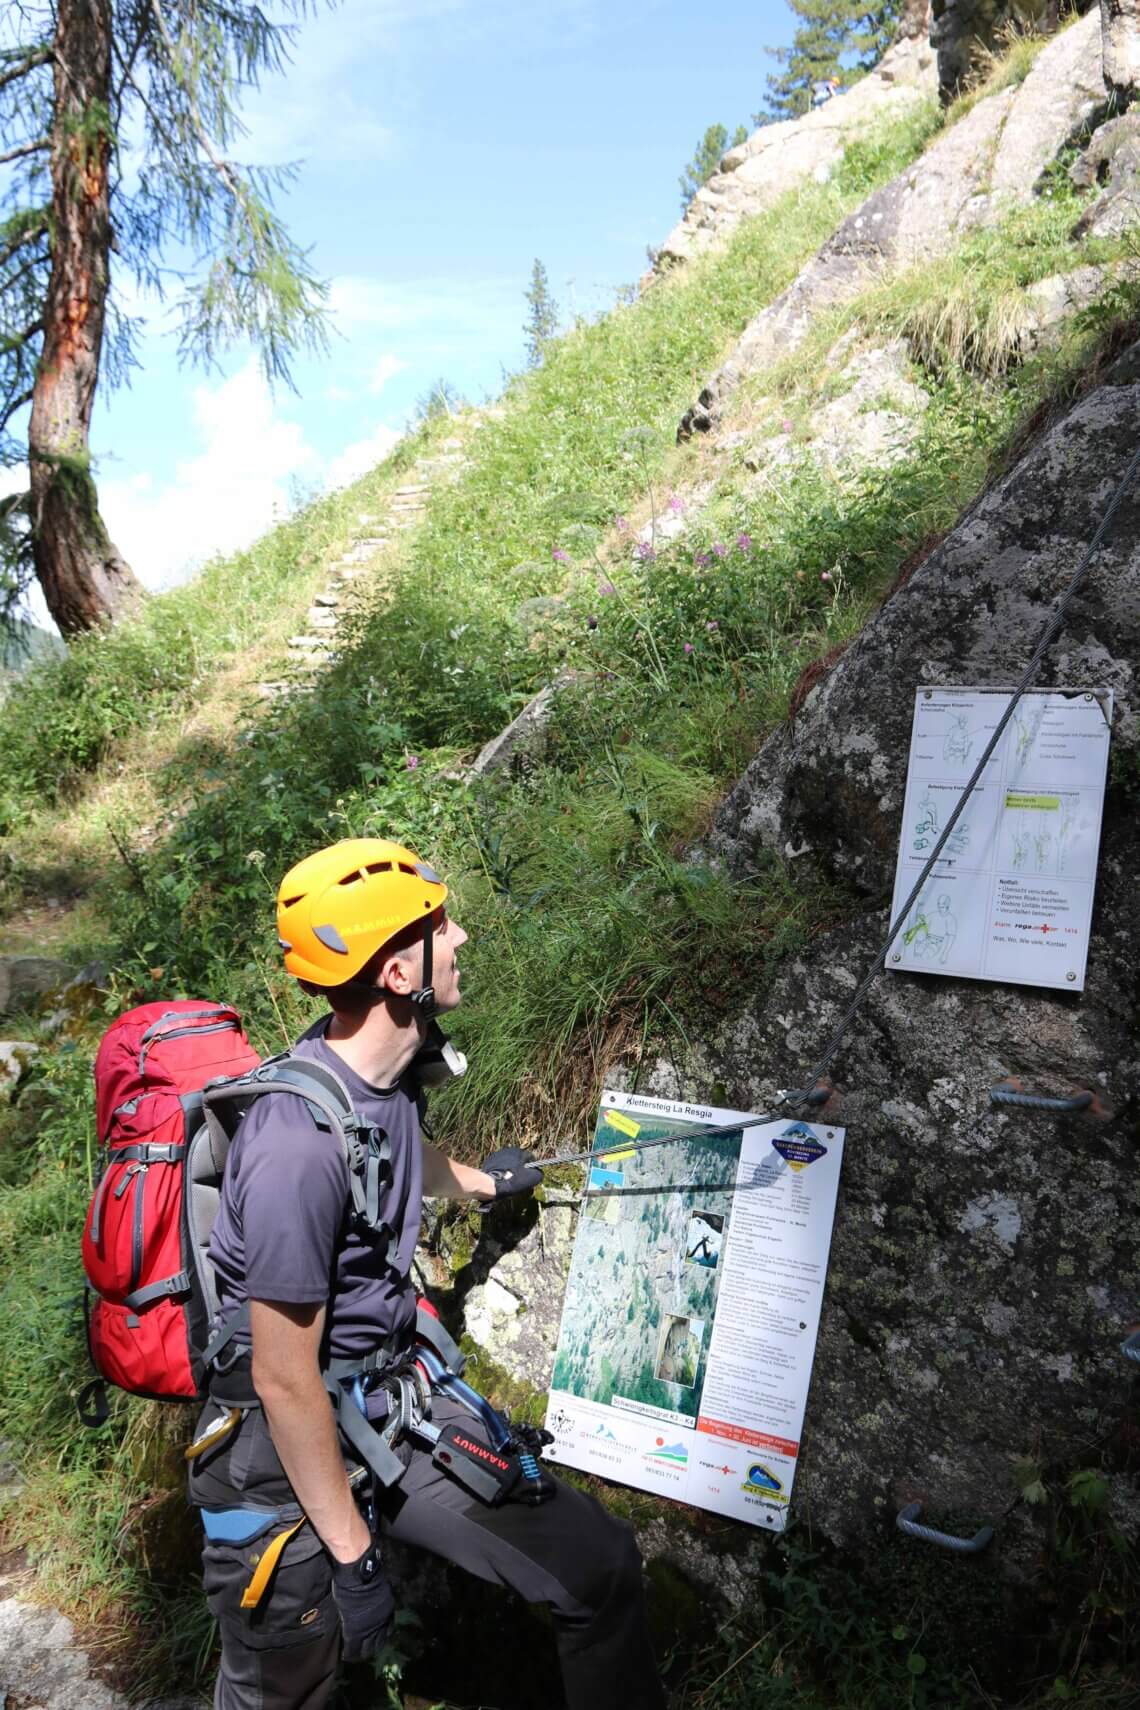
(292, 1192)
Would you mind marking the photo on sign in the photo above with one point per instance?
(703, 1239)
(679, 1353)
(604, 1207)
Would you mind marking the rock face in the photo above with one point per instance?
(15, 1057)
(522, 736)
(777, 158)
(986, 164)
(1120, 22)
(23, 979)
(985, 1264)
(43, 1666)
(1112, 158)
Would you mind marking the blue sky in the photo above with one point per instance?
(444, 145)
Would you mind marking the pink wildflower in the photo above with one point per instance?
(605, 589)
(825, 575)
(411, 761)
(621, 522)
(675, 503)
(744, 542)
(703, 560)
(787, 424)
(712, 626)
(644, 551)
(688, 647)
(720, 549)
(559, 556)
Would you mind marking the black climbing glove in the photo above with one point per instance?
(513, 1171)
(364, 1602)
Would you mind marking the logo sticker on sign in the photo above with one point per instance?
(799, 1147)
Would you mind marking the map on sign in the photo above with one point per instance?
(693, 1302)
(1011, 895)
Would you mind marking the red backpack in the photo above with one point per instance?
(172, 1081)
(148, 1322)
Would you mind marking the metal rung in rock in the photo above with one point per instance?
(1011, 1094)
(907, 1521)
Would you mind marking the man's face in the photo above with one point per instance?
(449, 939)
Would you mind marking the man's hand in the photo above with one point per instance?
(512, 1171)
(364, 1602)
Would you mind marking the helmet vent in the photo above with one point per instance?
(404, 868)
(379, 867)
(331, 939)
(289, 902)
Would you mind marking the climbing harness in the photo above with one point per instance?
(907, 1521)
(503, 1468)
(1050, 633)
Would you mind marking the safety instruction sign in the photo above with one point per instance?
(1011, 895)
(693, 1303)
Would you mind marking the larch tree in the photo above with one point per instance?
(118, 126)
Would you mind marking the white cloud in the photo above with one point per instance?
(219, 500)
(364, 454)
(386, 369)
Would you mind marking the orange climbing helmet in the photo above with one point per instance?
(336, 908)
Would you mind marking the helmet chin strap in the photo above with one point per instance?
(423, 1001)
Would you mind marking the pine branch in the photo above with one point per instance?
(11, 342)
(39, 56)
(29, 235)
(8, 285)
(221, 166)
(13, 406)
(37, 147)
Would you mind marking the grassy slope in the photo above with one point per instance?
(589, 929)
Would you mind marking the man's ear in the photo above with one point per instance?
(393, 975)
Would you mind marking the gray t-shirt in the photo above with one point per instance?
(283, 1231)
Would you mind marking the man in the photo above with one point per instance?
(365, 924)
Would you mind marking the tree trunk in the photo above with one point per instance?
(1120, 38)
(84, 580)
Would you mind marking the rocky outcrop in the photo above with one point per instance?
(43, 1665)
(26, 979)
(16, 1055)
(986, 164)
(985, 1265)
(778, 158)
(1111, 159)
(1120, 23)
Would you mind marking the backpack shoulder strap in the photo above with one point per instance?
(367, 1150)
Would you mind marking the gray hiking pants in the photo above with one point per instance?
(568, 1553)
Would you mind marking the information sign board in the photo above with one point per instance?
(1011, 896)
(693, 1304)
